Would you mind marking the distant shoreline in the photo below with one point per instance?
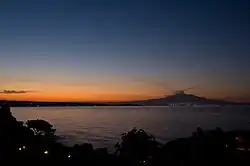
(172, 100)
(118, 105)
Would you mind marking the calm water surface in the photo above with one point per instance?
(103, 126)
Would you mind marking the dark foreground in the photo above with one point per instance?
(34, 142)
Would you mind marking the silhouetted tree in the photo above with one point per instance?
(41, 127)
(137, 145)
(7, 120)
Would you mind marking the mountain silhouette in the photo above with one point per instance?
(183, 98)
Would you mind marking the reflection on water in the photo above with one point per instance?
(102, 126)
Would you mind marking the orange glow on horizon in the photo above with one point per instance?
(93, 97)
(117, 89)
(79, 98)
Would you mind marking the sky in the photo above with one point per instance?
(120, 50)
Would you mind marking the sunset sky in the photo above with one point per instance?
(116, 50)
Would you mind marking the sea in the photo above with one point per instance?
(103, 126)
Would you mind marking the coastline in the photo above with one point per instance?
(25, 142)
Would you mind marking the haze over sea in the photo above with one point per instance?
(103, 126)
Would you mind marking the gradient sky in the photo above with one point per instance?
(110, 50)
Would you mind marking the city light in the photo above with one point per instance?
(46, 152)
(241, 149)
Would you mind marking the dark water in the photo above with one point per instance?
(102, 126)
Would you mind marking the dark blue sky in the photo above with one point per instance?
(180, 43)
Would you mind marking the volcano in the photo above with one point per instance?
(183, 98)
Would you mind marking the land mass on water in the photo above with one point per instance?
(181, 99)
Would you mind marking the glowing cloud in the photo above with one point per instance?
(15, 91)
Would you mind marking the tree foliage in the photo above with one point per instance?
(137, 144)
(41, 127)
